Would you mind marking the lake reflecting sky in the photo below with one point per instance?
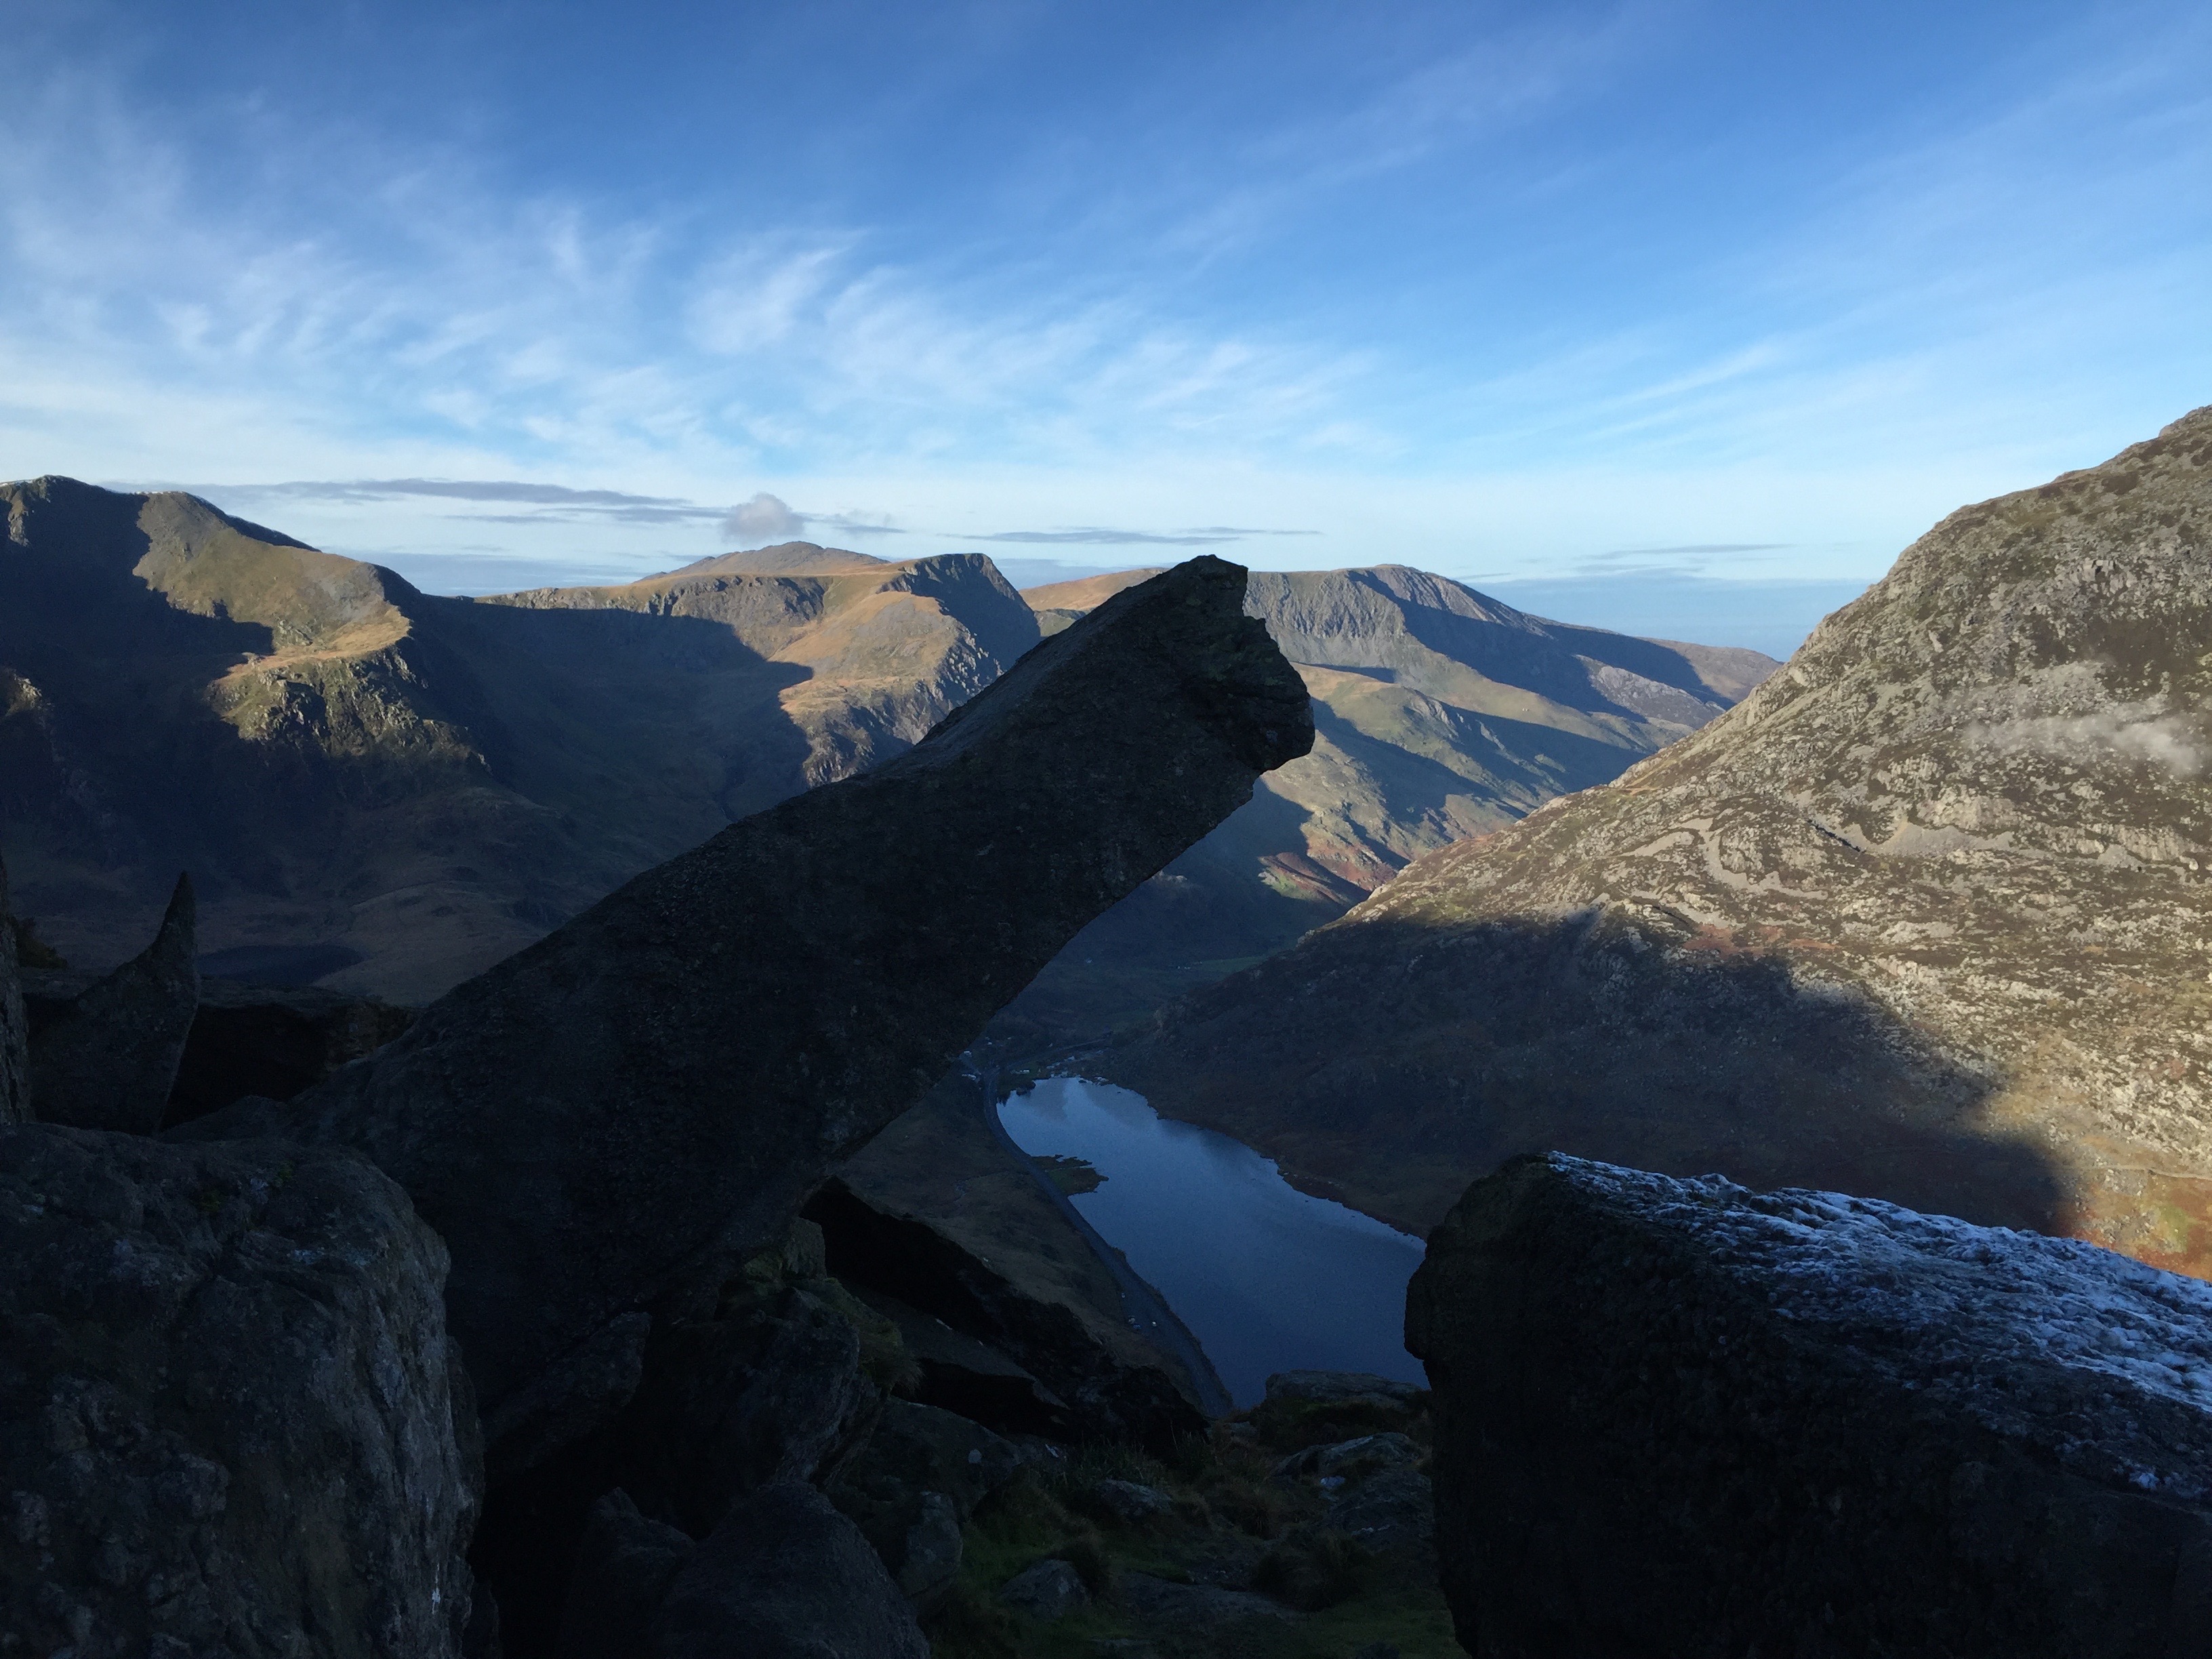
(1268, 1278)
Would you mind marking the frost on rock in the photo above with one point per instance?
(1679, 1416)
(1968, 1309)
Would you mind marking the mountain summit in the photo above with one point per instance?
(396, 788)
(1926, 917)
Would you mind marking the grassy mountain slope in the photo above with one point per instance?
(1442, 713)
(423, 784)
(1925, 917)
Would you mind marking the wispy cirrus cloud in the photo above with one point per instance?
(1098, 538)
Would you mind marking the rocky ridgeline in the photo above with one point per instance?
(245, 1389)
(1678, 1417)
(1926, 917)
(405, 788)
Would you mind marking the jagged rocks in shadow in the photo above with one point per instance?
(603, 1125)
(273, 1041)
(786, 1577)
(1103, 1394)
(968, 1377)
(1680, 1417)
(622, 1574)
(109, 1058)
(947, 1165)
(772, 1385)
(230, 1420)
(915, 1484)
(1608, 1034)
(15, 1049)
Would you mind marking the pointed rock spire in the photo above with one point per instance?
(109, 1060)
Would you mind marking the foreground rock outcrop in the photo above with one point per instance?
(1678, 1416)
(230, 1419)
(603, 1125)
(1925, 917)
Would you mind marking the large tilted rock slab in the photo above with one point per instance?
(1678, 1416)
(600, 1124)
(227, 1422)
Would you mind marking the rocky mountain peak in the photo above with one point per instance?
(1924, 918)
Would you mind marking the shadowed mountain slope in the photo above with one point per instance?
(421, 785)
(1442, 713)
(1925, 918)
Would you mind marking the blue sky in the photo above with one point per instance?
(1682, 316)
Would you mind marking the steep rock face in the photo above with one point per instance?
(1924, 918)
(227, 1416)
(15, 1045)
(107, 1060)
(1442, 713)
(600, 1126)
(1680, 1417)
(415, 784)
(272, 1040)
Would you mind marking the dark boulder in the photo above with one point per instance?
(230, 1419)
(786, 1577)
(273, 1041)
(1679, 1417)
(15, 1051)
(602, 1125)
(1099, 1394)
(915, 1484)
(1050, 1589)
(772, 1389)
(621, 1575)
(108, 1060)
(969, 1377)
(772, 1384)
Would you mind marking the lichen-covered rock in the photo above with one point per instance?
(602, 1125)
(227, 1416)
(786, 1577)
(109, 1060)
(1678, 1416)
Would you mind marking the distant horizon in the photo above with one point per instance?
(1658, 309)
(1773, 618)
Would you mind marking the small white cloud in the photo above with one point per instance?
(2128, 732)
(762, 521)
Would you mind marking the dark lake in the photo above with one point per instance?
(1266, 1277)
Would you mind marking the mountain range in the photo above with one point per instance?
(1440, 714)
(386, 790)
(1925, 918)
(382, 790)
